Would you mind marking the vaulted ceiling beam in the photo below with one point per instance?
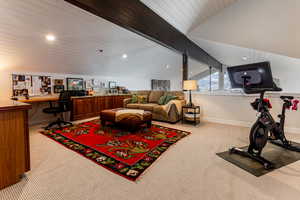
(138, 18)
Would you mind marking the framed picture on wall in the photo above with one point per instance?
(58, 82)
(58, 88)
(31, 85)
(112, 84)
(162, 85)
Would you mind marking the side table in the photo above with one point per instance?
(191, 114)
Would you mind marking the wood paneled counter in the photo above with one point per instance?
(14, 142)
(91, 106)
(40, 99)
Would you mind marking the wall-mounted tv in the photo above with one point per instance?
(75, 84)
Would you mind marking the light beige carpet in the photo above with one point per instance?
(189, 170)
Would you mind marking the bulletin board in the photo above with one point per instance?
(31, 85)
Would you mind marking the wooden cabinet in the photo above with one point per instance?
(100, 104)
(83, 108)
(87, 107)
(109, 102)
(14, 142)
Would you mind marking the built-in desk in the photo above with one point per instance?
(39, 99)
(83, 107)
(14, 142)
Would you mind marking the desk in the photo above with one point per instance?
(14, 142)
(82, 107)
(39, 99)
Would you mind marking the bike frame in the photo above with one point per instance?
(265, 116)
(266, 119)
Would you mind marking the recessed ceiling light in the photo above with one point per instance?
(167, 66)
(244, 58)
(50, 37)
(124, 56)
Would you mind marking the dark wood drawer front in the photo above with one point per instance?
(88, 107)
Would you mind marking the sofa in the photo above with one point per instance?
(169, 112)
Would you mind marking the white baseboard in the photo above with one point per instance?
(244, 124)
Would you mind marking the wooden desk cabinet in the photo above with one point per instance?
(14, 142)
(83, 108)
(87, 107)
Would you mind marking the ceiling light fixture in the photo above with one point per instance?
(124, 56)
(50, 37)
(167, 66)
(245, 58)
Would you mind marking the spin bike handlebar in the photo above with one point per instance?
(261, 90)
(249, 90)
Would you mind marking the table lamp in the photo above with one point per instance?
(190, 85)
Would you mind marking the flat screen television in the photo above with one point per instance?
(75, 84)
(260, 76)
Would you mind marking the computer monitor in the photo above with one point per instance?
(75, 84)
(252, 76)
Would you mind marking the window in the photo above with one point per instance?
(215, 81)
(209, 82)
(227, 84)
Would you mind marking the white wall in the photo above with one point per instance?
(236, 110)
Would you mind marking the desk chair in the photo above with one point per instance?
(63, 105)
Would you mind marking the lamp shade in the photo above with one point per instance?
(190, 85)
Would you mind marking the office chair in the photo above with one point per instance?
(63, 105)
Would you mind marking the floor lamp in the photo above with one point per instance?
(190, 85)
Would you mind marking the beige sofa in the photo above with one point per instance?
(171, 112)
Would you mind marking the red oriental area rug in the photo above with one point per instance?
(122, 152)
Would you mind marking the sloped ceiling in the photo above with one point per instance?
(267, 25)
(24, 24)
(285, 69)
(233, 55)
(185, 15)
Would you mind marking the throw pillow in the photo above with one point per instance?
(134, 98)
(162, 100)
(142, 99)
(170, 98)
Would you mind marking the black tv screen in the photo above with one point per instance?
(75, 84)
(260, 75)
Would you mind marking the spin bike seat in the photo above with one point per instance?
(286, 97)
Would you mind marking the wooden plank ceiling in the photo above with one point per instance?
(135, 16)
(186, 15)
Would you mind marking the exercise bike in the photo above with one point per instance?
(254, 79)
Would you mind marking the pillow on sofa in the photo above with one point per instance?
(169, 98)
(155, 95)
(134, 98)
(162, 100)
(142, 99)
